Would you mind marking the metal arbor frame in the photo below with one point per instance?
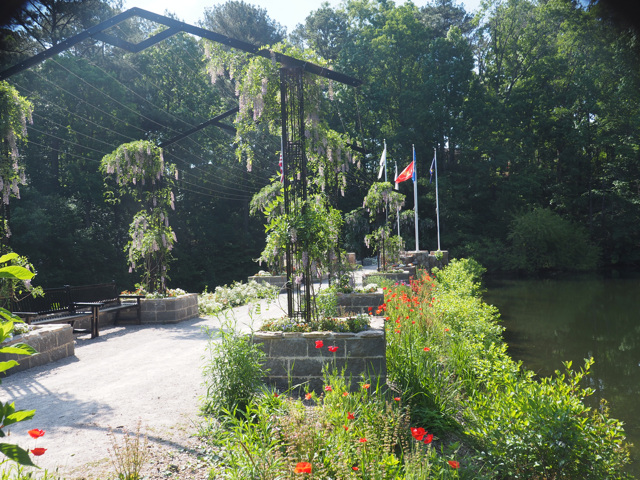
(292, 105)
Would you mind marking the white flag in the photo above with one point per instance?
(383, 161)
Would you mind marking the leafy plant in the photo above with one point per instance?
(141, 172)
(234, 369)
(223, 297)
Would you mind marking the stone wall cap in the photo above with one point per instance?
(316, 334)
(371, 333)
(267, 335)
(292, 334)
(343, 335)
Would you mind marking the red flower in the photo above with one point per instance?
(397, 331)
(397, 399)
(345, 394)
(428, 438)
(308, 396)
(366, 386)
(276, 395)
(418, 433)
(454, 464)
(355, 469)
(328, 388)
(38, 451)
(446, 329)
(35, 433)
(303, 467)
(427, 349)
(319, 344)
(346, 429)
(333, 348)
(363, 440)
(351, 416)
(370, 308)
(413, 323)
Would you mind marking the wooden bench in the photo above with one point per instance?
(69, 304)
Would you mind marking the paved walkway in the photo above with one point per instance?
(147, 372)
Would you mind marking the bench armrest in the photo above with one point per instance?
(88, 304)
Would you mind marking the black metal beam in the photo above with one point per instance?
(212, 121)
(97, 32)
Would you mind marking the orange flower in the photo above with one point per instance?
(397, 399)
(38, 451)
(446, 329)
(345, 394)
(346, 429)
(454, 464)
(355, 469)
(363, 440)
(308, 396)
(303, 467)
(35, 433)
(366, 386)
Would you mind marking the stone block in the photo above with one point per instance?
(290, 347)
(278, 367)
(371, 347)
(306, 367)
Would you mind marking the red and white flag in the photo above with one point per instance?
(406, 174)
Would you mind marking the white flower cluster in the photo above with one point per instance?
(210, 303)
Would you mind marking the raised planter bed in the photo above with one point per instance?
(170, 310)
(53, 342)
(397, 277)
(277, 280)
(360, 302)
(295, 356)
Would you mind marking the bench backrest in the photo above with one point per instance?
(55, 300)
(103, 292)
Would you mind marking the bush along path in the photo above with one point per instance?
(456, 405)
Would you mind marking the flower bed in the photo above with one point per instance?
(52, 342)
(169, 309)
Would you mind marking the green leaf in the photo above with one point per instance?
(19, 416)
(16, 272)
(10, 316)
(20, 349)
(7, 365)
(17, 454)
(8, 256)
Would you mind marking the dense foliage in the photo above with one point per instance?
(532, 106)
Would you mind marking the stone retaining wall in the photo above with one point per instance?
(397, 277)
(425, 259)
(170, 310)
(360, 302)
(277, 280)
(53, 342)
(296, 354)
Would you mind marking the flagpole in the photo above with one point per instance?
(398, 207)
(415, 195)
(435, 158)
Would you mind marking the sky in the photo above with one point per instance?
(288, 13)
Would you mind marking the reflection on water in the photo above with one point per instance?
(551, 321)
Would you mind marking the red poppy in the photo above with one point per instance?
(398, 321)
(397, 399)
(413, 323)
(303, 467)
(346, 429)
(370, 308)
(363, 440)
(427, 349)
(428, 438)
(319, 344)
(276, 395)
(355, 469)
(407, 317)
(38, 451)
(454, 464)
(397, 331)
(387, 318)
(333, 348)
(418, 433)
(328, 388)
(308, 396)
(345, 394)
(366, 386)
(446, 329)
(35, 433)
(351, 416)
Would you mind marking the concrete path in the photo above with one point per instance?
(150, 373)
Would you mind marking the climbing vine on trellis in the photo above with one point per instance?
(141, 172)
(257, 86)
(15, 112)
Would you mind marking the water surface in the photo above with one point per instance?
(555, 320)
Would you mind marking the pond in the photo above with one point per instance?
(554, 320)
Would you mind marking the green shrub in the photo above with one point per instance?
(233, 373)
(327, 302)
(543, 240)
